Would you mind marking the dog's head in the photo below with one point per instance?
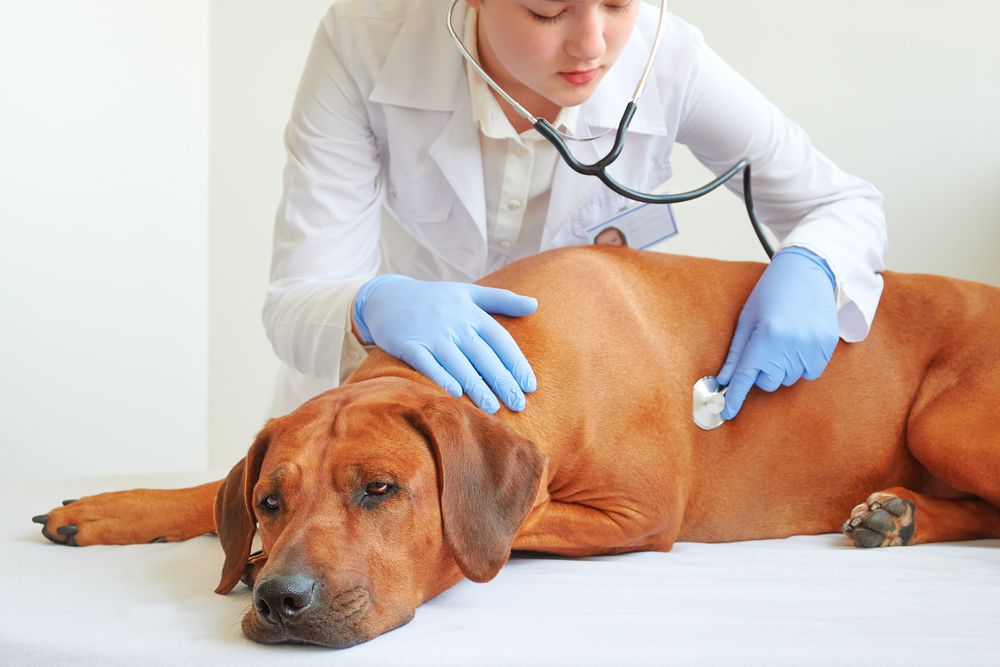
(370, 499)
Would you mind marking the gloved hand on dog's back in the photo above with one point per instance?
(787, 330)
(444, 331)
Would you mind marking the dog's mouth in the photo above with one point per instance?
(338, 620)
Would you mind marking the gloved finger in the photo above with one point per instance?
(485, 360)
(820, 361)
(502, 302)
(505, 347)
(458, 365)
(794, 369)
(422, 361)
(769, 381)
(736, 348)
(805, 360)
(743, 379)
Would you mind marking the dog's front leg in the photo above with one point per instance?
(575, 529)
(138, 516)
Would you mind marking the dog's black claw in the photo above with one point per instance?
(70, 502)
(41, 518)
(159, 540)
(67, 531)
(70, 540)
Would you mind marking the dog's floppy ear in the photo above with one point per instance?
(234, 518)
(488, 478)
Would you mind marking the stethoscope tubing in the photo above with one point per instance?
(599, 168)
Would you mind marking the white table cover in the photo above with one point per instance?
(812, 600)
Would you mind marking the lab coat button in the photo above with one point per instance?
(513, 205)
(522, 151)
(355, 356)
(505, 244)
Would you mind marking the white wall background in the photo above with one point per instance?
(140, 166)
(258, 48)
(103, 230)
(905, 94)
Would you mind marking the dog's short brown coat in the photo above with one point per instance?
(387, 491)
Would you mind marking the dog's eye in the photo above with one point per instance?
(372, 495)
(270, 503)
(377, 489)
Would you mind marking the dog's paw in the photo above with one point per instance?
(884, 520)
(139, 516)
(109, 518)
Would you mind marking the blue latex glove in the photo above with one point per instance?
(443, 330)
(788, 328)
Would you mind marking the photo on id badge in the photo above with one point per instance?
(640, 227)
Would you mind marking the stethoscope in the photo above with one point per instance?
(709, 397)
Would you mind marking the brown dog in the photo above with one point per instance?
(380, 494)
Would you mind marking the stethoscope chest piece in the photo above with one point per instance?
(709, 400)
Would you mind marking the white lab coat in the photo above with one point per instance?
(383, 116)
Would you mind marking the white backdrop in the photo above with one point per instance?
(141, 167)
(103, 237)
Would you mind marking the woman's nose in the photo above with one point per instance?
(587, 39)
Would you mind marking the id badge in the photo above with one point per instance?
(639, 227)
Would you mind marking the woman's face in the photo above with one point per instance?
(554, 51)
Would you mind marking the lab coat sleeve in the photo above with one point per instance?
(327, 224)
(798, 192)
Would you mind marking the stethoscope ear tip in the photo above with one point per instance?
(709, 400)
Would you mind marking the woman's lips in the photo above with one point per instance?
(580, 77)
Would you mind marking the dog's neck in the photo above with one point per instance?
(380, 364)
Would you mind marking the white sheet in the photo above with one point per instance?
(800, 601)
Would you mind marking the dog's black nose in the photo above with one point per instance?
(280, 598)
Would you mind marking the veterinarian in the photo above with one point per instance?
(407, 180)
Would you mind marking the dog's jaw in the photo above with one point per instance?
(343, 619)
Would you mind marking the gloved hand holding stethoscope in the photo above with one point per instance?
(787, 330)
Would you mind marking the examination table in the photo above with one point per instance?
(810, 600)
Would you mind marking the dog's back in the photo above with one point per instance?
(621, 336)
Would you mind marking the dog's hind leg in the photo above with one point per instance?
(954, 430)
(138, 516)
(956, 436)
(899, 517)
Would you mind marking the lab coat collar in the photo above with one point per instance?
(424, 70)
(458, 155)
